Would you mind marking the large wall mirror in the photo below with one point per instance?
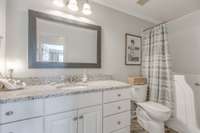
(56, 42)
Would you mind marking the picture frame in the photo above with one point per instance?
(133, 49)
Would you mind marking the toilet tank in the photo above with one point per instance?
(139, 93)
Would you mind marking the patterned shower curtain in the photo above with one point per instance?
(156, 65)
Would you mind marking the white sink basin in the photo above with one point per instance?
(69, 85)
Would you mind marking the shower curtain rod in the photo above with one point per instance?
(155, 26)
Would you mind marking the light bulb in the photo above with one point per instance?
(73, 5)
(59, 3)
(86, 9)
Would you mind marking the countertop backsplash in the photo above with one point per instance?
(63, 78)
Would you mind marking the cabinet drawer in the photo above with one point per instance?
(89, 99)
(116, 95)
(124, 130)
(68, 103)
(116, 107)
(27, 126)
(116, 122)
(60, 104)
(20, 110)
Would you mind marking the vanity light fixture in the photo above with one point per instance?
(87, 8)
(73, 5)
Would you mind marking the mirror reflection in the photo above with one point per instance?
(58, 42)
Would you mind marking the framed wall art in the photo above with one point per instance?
(133, 49)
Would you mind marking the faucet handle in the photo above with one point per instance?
(84, 77)
(73, 78)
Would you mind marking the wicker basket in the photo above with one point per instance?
(136, 80)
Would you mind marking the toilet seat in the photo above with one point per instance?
(155, 110)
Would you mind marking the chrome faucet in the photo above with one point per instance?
(73, 79)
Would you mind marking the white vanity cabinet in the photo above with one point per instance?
(116, 112)
(88, 120)
(86, 115)
(92, 112)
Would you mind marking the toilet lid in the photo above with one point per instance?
(155, 107)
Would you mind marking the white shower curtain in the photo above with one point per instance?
(156, 65)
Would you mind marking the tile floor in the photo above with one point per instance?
(136, 128)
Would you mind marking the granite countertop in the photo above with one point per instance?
(46, 91)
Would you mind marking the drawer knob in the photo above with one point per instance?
(81, 117)
(119, 95)
(119, 107)
(75, 118)
(119, 122)
(9, 113)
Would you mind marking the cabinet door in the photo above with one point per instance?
(27, 126)
(61, 123)
(90, 120)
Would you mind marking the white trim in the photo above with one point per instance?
(184, 16)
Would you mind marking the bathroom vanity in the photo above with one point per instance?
(98, 107)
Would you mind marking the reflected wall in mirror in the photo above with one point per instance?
(55, 42)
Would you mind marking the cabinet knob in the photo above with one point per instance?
(119, 122)
(119, 95)
(81, 117)
(75, 118)
(9, 113)
(197, 84)
(119, 108)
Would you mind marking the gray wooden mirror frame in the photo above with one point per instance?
(32, 53)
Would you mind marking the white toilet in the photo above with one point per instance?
(150, 115)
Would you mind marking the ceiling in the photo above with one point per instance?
(155, 11)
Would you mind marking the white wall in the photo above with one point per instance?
(184, 41)
(2, 34)
(114, 25)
